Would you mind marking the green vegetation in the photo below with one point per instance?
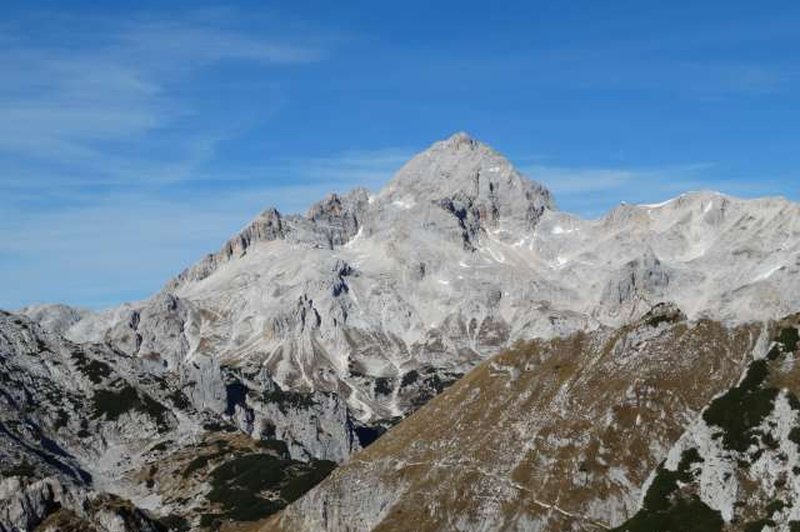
(409, 378)
(179, 399)
(200, 462)
(655, 321)
(743, 408)
(61, 419)
(789, 338)
(662, 313)
(210, 521)
(772, 508)
(84, 430)
(161, 446)
(738, 413)
(297, 486)
(439, 385)
(685, 515)
(794, 402)
(213, 426)
(665, 509)
(253, 486)
(23, 469)
(111, 404)
(151, 473)
(383, 386)
(175, 523)
(787, 343)
(794, 435)
(774, 353)
(758, 526)
(277, 446)
(96, 370)
(288, 400)
(666, 481)
(775, 506)
(769, 441)
(236, 486)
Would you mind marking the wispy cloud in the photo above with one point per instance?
(370, 169)
(122, 244)
(590, 192)
(184, 43)
(103, 139)
(720, 79)
(697, 62)
(91, 109)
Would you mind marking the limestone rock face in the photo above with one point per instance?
(306, 336)
(339, 218)
(640, 283)
(86, 430)
(470, 180)
(156, 332)
(51, 506)
(328, 223)
(25, 506)
(456, 258)
(55, 317)
(659, 425)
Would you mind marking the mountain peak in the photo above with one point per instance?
(460, 140)
(463, 169)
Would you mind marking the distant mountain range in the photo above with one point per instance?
(584, 354)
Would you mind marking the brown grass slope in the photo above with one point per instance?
(549, 435)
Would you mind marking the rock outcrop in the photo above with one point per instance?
(89, 432)
(305, 337)
(456, 258)
(663, 424)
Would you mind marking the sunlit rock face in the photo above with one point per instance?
(663, 424)
(307, 336)
(457, 257)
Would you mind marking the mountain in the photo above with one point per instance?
(663, 424)
(94, 439)
(238, 386)
(456, 258)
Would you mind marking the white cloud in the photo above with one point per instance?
(126, 244)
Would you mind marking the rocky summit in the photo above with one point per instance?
(448, 353)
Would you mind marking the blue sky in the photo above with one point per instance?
(134, 140)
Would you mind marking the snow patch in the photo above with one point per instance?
(355, 238)
(558, 230)
(767, 274)
(657, 205)
(403, 204)
(496, 255)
